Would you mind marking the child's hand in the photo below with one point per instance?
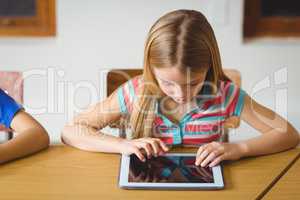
(152, 147)
(213, 153)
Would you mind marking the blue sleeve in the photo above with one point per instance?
(8, 108)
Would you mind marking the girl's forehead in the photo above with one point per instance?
(173, 74)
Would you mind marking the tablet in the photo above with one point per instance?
(170, 171)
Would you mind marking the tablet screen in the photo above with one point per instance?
(168, 169)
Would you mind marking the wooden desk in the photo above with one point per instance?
(65, 173)
(288, 186)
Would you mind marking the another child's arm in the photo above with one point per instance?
(31, 138)
(83, 132)
(277, 135)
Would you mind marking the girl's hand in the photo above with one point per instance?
(152, 147)
(213, 153)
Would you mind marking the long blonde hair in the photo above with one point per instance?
(182, 38)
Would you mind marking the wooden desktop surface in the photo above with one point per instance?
(288, 186)
(62, 172)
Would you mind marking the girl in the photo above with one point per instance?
(182, 97)
(31, 138)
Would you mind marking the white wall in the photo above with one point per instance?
(94, 35)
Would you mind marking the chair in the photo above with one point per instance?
(117, 77)
(12, 83)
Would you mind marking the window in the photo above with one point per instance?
(271, 18)
(27, 18)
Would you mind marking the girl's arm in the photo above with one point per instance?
(31, 138)
(277, 135)
(83, 133)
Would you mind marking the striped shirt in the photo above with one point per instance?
(201, 124)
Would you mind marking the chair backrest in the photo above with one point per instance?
(12, 83)
(117, 77)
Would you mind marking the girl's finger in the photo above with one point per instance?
(212, 155)
(163, 145)
(217, 160)
(138, 153)
(202, 156)
(209, 158)
(147, 147)
(200, 149)
(155, 147)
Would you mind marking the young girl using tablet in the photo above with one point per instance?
(182, 97)
(32, 137)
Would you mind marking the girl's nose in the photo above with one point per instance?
(180, 92)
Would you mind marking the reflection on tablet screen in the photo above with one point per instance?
(168, 169)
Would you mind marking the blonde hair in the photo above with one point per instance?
(182, 38)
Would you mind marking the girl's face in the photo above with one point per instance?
(181, 87)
